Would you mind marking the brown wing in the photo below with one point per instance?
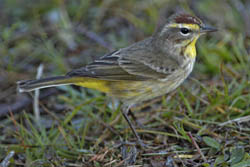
(107, 68)
(120, 65)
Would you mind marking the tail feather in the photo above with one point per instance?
(30, 85)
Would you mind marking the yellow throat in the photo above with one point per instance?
(190, 50)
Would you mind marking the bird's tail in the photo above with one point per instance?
(30, 85)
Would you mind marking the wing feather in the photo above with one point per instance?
(120, 65)
(107, 68)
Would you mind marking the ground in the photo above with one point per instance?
(205, 122)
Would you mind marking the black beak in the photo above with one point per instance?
(206, 29)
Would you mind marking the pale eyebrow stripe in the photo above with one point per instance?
(188, 26)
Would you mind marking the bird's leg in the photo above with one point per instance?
(125, 111)
(134, 118)
(132, 114)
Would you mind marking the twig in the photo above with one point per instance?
(238, 120)
(23, 101)
(160, 133)
(196, 146)
(6, 162)
(110, 163)
(36, 96)
(93, 36)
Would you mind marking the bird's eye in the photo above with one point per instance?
(185, 31)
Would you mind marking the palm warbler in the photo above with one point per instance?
(139, 72)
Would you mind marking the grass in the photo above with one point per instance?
(205, 122)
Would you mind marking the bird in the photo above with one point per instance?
(142, 71)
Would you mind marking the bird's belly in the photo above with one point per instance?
(139, 91)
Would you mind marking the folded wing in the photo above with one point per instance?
(119, 66)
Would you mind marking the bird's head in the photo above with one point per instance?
(181, 29)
